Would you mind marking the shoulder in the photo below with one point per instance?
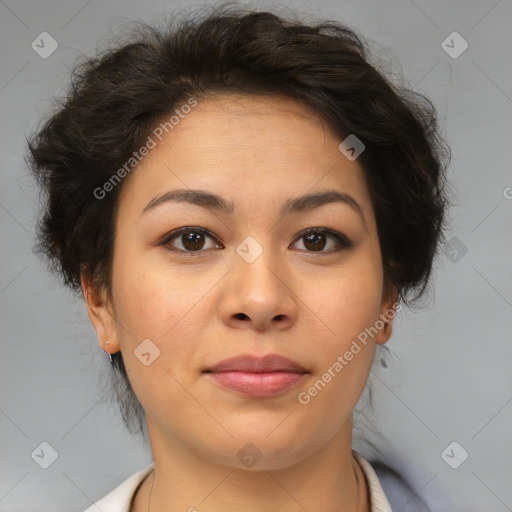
(119, 499)
(388, 490)
(398, 492)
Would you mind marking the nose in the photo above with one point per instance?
(259, 295)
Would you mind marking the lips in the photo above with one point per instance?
(254, 364)
(257, 376)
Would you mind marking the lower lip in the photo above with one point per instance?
(258, 384)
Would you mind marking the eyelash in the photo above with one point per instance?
(342, 241)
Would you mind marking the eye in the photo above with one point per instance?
(315, 240)
(191, 239)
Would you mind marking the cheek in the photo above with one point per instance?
(349, 303)
(345, 311)
(151, 298)
(343, 357)
(152, 306)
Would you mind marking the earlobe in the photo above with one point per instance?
(390, 307)
(101, 315)
(384, 334)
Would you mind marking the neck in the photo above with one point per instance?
(183, 480)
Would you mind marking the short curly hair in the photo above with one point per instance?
(118, 97)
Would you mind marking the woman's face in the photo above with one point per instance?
(246, 281)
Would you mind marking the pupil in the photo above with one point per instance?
(317, 241)
(192, 241)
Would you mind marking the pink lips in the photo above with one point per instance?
(257, 376)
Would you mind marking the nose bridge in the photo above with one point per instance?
(258, 263)
(257, 290)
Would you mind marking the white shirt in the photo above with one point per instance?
(120, 498)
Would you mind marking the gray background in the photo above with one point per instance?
(450, 379)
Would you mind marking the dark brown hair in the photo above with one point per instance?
(118, 97)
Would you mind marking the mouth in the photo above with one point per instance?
(257, 376)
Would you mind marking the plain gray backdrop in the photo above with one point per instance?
(450, 381)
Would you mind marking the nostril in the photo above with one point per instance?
(241, 316)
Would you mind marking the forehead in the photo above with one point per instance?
(245, 122)
(240, 144)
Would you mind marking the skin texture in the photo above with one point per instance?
(304, 304)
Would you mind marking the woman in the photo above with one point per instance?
(245, 204)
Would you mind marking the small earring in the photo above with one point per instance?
(109, 354)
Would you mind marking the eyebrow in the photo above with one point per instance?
(215, 202)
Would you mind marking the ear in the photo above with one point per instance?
(390, 307)
(101, 315)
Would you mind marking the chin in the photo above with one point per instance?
(255, 450)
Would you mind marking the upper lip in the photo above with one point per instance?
(257, 364)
